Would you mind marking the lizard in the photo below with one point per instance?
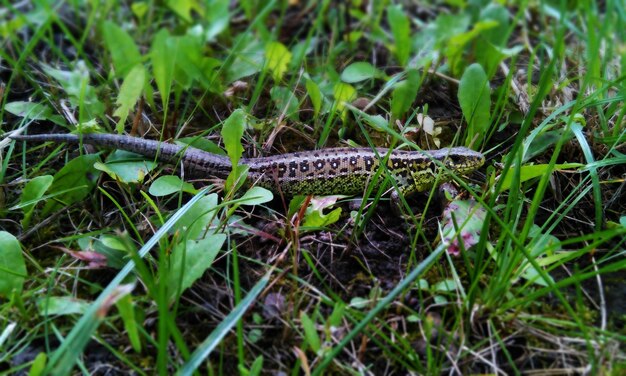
(332, 171)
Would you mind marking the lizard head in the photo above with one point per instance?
(457, 161)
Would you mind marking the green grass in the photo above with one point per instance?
(112, 262)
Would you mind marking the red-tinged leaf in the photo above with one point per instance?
(461, 224)
(118, 293)
(94, 260)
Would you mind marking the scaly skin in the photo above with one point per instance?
(345, 171)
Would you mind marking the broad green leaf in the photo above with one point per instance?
(529, 172)
(236, 178)
(457, 44)
(475, 99)
(256, 196)
(447, 26)
(310, 332)
(318, 219)
(315, 216)
(126, 167)
(183, 8)
(80, 93)
(315, 94)
(77, 177)
(401, 30)
(12, 267)
(197, 218)
(114, 247)
(404, 94)
(190, 259)
(163, 56)
(122, 47)
(248, 59)
(218, 16)
(498, 34)
(61, 305)
(39, 364)
(33, 190)
(540, 142)
(232, 132)
(126, 308)
(343, 93)
(192, 65)
(166, 185)
(357, 72)
(278, 58)
(445, 285)
(286, 102)
(490, 56)
(129, 94)
(337, 316)
(139, 8)
(33, 111)
(377, 122)
(201, 143)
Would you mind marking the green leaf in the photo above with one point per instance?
(201, 143)
(163, 55)
(218, 17)
(277, 59)
(286, 102)
(318, 219)
(456, 45)
(126, 307)
(538, 142)
(357, 72)
(475, 99)
(401, 31)
(183, 8)
(38, 364)
(343, 93)
(129, 94)
(404, 94)
(445, 285)
(310, 332)
(78, 177)
(12, 266)
(490, 56)
(248, 60)
(197, 218)
(315, 216)
(126, 167)
(139, 8)
(190, 259)
(461, 224)
(257, 366)
(166, 185)
(256, 196)
(122, 47)
(192, 65)
(33, 190)
(80, 93)
(232, 132)
(61, 305)
(534, 171)
(314, 92)
(114, 247)
(33, 111)
(498, 34)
